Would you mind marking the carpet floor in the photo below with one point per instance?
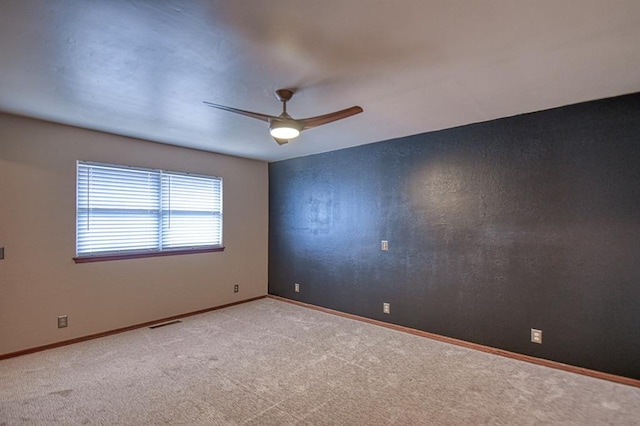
(269, 362)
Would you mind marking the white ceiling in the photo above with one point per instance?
(143, 68)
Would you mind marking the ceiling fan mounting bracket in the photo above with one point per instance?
(283, 95)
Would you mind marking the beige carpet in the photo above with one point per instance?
(272, 363)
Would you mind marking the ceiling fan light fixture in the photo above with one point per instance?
(284, 130)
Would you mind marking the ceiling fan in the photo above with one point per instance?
(283, 127)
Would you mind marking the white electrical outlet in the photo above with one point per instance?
(386, 308)
(536, 336)
(384, 245)
(296, 288)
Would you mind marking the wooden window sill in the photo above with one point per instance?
(106, 257)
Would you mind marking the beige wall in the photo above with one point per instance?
(38, 278)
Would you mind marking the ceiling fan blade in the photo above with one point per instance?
(310, 122)
(257, 115)
(281, 141)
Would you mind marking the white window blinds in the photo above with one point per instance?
(128, 210)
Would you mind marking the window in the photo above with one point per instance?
(127, 212)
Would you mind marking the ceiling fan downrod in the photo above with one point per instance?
(284, 95)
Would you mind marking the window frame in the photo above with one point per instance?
(143, 253)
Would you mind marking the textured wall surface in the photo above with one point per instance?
(494, 228)
(38, 278)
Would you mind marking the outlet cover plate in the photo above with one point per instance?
(536, 336)
(386, 308)
(63, 321)
(236, 288)
(296, 287)
(384, 245)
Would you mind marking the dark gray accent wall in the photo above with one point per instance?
(494, 228)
